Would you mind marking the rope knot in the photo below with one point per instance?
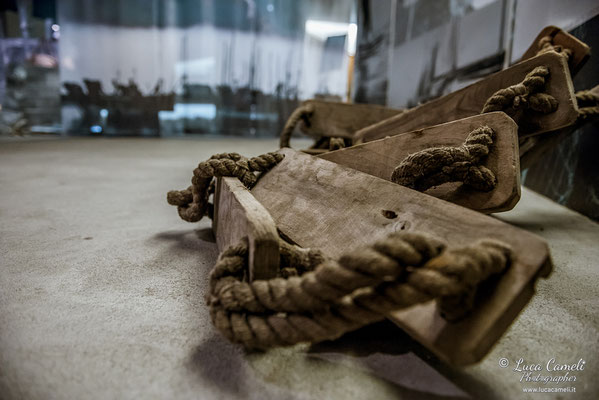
(326, 298)
(524, 95)
(546, 44)
(437, 165)
(193, 203)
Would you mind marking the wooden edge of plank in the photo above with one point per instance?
(361, 135)
(351, 106)
(380, 157)
(315, 152)
(488, 320)
(503, 323)
(238, 215)
(580, 50)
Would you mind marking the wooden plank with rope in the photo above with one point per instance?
(319, 204)
(381, 157)
(473, 99)
(324, 120)
(577, 53)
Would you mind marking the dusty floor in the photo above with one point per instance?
(102, 285)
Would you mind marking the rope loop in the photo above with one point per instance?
(546, 44)
(524, 95)
(437, 165)
(193, 203)
(588, 104)
(302, 113)
(327, 298)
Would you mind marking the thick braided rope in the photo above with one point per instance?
(335, 297)
(192, 203)
(524, 95)
(437, 165)
(546, 44)
(588, 104)
(300, 113)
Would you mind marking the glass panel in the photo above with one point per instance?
(170, 68)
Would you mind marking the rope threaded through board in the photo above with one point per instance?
(437, 165)
(331, 297)
(546, 44)
(524, 95)
(192, 203)
(300, 113)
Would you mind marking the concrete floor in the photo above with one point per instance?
(102, 293)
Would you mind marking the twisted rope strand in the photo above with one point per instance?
(437, 165)
(588, 104)
(523, 95)
(300, 113)
(330, 281)
(304, 113)
(546, 44)
(192, 203)
(361, 287)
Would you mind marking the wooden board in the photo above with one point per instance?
(469, 101)
(320, 204)
(335, 119)
(380, 157)
(238, 215)
(580, 51)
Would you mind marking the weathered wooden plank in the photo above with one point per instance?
(335, 119)
(469, 101)
(238, 215)
(320, 204)
(380, 157)
(580, 52)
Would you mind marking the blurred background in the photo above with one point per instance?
(169, 67)
(198, 68)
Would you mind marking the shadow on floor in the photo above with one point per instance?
(382, 350)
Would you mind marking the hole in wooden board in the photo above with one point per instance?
(389, 214)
